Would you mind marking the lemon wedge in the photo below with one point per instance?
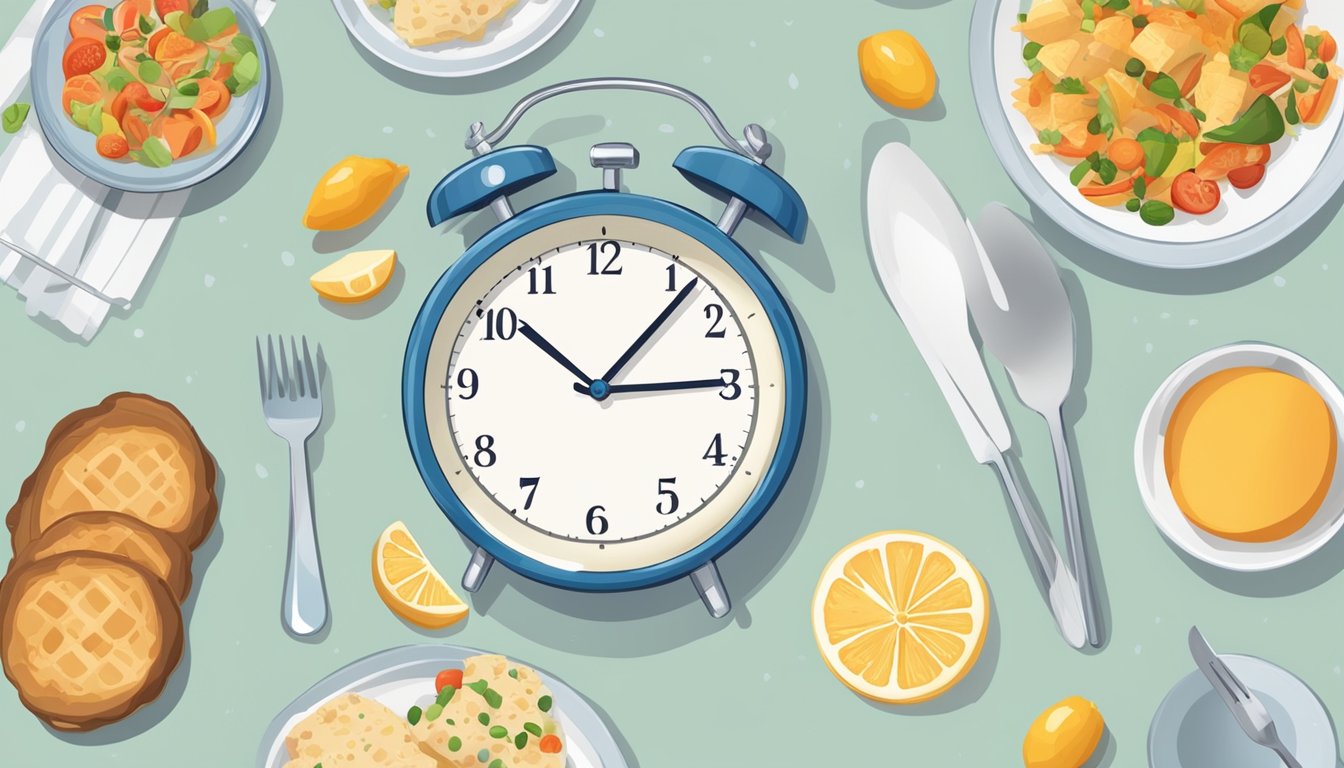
(900, 617)
(356, 277)
(409, 585)
(351, 192)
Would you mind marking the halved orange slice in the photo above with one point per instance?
(409, 585)
(900, 617)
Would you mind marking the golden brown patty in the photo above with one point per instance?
(88, 638)
(131, 453)
(112, 533)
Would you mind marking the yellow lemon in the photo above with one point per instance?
(409, 585)
(900, 617)
(897, 70)
(1064, 736)
(351, 192)
(356, 277)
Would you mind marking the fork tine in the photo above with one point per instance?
(276, 387)
(301, 385)
(284, 371)
(308, 366)
(261, 369)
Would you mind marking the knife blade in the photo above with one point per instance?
(1249, 712)
(892, 212)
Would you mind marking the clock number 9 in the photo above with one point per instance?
(468, 380)
(714, 314)
(501, 324)
(597, 524)
(485, 453)
(607, 247)
(664, 490)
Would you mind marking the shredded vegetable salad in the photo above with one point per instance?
(1154, 103)
(151, 79)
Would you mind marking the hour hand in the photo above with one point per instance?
(531, 335)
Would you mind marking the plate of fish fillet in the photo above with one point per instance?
(102, 537)
(439, 706)
(453, 38)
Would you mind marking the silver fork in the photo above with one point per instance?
(292, 403)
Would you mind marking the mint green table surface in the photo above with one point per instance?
(881, 450)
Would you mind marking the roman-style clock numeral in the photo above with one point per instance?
(609, 250)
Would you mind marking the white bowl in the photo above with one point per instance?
(1150, 466)
(1303, 176)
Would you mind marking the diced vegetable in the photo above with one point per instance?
(1245, 178)
(1193, 194)
(14, 116)
(1262, 123)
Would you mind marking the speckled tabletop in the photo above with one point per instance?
(881, 449)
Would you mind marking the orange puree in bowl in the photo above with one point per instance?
(1250, 453)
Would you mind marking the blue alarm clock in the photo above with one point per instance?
(605, 392)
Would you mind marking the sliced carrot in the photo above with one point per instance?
(1328, 48)
(1297, 52)
(181, 133)
(1100, 190)
(1221, 159)
(1093, 144)
(1192, 79)
(88, 22)
(214, 97)
(1127, 154)
(1182, 118)
(136, 131)
(1318, 104)
(1268, 79)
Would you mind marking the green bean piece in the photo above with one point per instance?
(413, 715)
(544, 703)
(483, 718)
(520, 741)
(499, 732)
(533, 729)
(433, 712)
(493, 698)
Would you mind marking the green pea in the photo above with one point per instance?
(483, 718)
(1135, 68)
(1133, 204)
(513, 673)
(544, 703)
(533, 729)
(520, 740)
(496, 763)
(1140, 22)
(454, 744)
(1030, 50)
(433, 712)
(413, 715)
(498, 732)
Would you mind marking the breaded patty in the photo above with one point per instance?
(351, 731)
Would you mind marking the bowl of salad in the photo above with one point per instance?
(149, 95)
(1171, 133)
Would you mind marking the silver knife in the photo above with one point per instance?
(1245, 706)
(910, 223)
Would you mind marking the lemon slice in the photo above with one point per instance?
(409, 585)
(900, 617)
(356, 277)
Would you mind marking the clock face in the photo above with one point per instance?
(604, 393)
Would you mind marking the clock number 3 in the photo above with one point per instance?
(597, 524)
(607, 248)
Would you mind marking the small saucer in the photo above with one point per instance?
(1194, 729)
(1150, 451)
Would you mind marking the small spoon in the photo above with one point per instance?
(1023, 314)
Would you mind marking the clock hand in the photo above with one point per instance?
(650, 331)
(665, 386)
(531, 335)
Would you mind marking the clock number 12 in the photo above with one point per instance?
(608, 247)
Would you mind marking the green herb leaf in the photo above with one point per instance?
(1279, 46)
(1135, 68)
(520, 741)
(1243, 58)
(145, 24)
(155, 153)
(1290, 112)
(1079, 173)
(1030, 50)
(246, 74)
(1156, 213)
(108, 23)
(150, 71)
(1262, 123)
(1256, 39)
(1107, 171)
(1321, 70)
(210, 24)
(413, 715)
(200, 7)
(14, 116)
(1159, 149)
(1140, 186)
(1106, 117)
(1071, 85)
(1164, 87)
(1050, 136)
(1313, 44)
(1261, 19)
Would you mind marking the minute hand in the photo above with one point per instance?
(664, 386)
(650, 331)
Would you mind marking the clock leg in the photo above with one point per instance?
(477, 570)
(709, 584)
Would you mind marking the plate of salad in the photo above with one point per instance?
(1171, 133)
(149, 95)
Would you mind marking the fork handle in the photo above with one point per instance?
(1075, 538)
(1286, 756)
(304, 610)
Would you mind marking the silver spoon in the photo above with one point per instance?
(1022, 312)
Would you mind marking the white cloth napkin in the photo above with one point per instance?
(107, 238)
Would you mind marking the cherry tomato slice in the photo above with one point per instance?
(446, 678)
(82, 56)
(1245, 178)
(88, 22)
(1194, 195)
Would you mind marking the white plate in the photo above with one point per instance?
(401, 677)
(522, 30)
(1305, 173)
(1149, 464)
(1194, 729)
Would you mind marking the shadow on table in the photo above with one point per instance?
(1301, 576)
(672, 615)
(502, 78)
(1104, 755)
(1187, 281)
(971, 687)
(153, 713)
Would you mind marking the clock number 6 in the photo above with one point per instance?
(597, 524)
(502, 324)
(608, 247)
(664, 489)
(485, 451)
